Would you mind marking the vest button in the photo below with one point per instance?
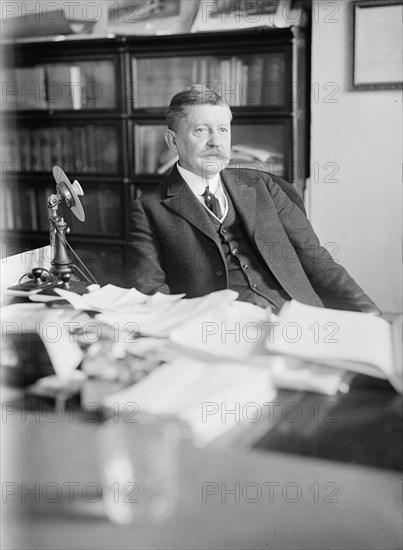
(245, 267)
(254, 286)
(219, 273)
(234, 251)
(224, 230)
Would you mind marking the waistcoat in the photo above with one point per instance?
(248, 274)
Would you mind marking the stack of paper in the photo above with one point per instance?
(305, 348)
(213, 398)
(235, 331)
(131, 311)
(340, 339)
(243, 333)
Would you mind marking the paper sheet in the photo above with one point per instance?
(200, 394)
(115, 298)
(235, 331)
(159, 320)
(294, 374)
(52, 326)
(346, 339)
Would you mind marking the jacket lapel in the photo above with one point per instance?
(256, 211)
(244, 199)
(181, 200)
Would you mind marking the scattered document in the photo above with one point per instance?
(348, 340)
(115, 298)
(304, 348)
(231, 331)
(158, 318)
(200, 394)
(294, 374)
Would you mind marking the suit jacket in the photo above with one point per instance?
(174, 248)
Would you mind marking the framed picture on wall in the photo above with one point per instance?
(376, 44)
(144, 17)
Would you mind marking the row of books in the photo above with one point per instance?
(18, 209)
(84, 149)
(247, 80)
(25, 208)
(103, 212)
(82, 85)
(150, 148)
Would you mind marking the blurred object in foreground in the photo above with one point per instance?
(140, 466)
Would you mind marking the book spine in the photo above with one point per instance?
(24, 154)
(33, 215)
(91, 166)
(17, 206)
(89, 89)
(273, 88)
(225, 78)
(232, 91)
(35, 151)
(46, 135)
(65, 161)
(238, 82)
(76, 87)
(103, 210)
(84, 148)
(10, 210)
(5, 210)
(56, 147)
(77, 149)
(255, 82)
(244, 84)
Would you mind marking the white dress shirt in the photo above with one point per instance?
(198, 185)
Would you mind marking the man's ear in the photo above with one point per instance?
(171, 140)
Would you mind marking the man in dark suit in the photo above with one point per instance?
(209, 227)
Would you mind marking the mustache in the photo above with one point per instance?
(214, 152)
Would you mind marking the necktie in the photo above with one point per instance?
(212, 203)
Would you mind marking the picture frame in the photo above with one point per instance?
(151, 17)
(375, 45)
(227, 15)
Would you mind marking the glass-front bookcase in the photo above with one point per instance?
(81, 147)
(96, 107)
(255, 79)
(62, 105)
(75, 85)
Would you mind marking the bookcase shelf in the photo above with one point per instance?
(96, 107)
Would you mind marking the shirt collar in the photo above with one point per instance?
(196, 183)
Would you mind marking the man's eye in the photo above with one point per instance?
(224, 130)
(200, 130)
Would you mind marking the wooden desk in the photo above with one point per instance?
(339, 505)
(364, 426)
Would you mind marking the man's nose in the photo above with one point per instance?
(214, 138)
